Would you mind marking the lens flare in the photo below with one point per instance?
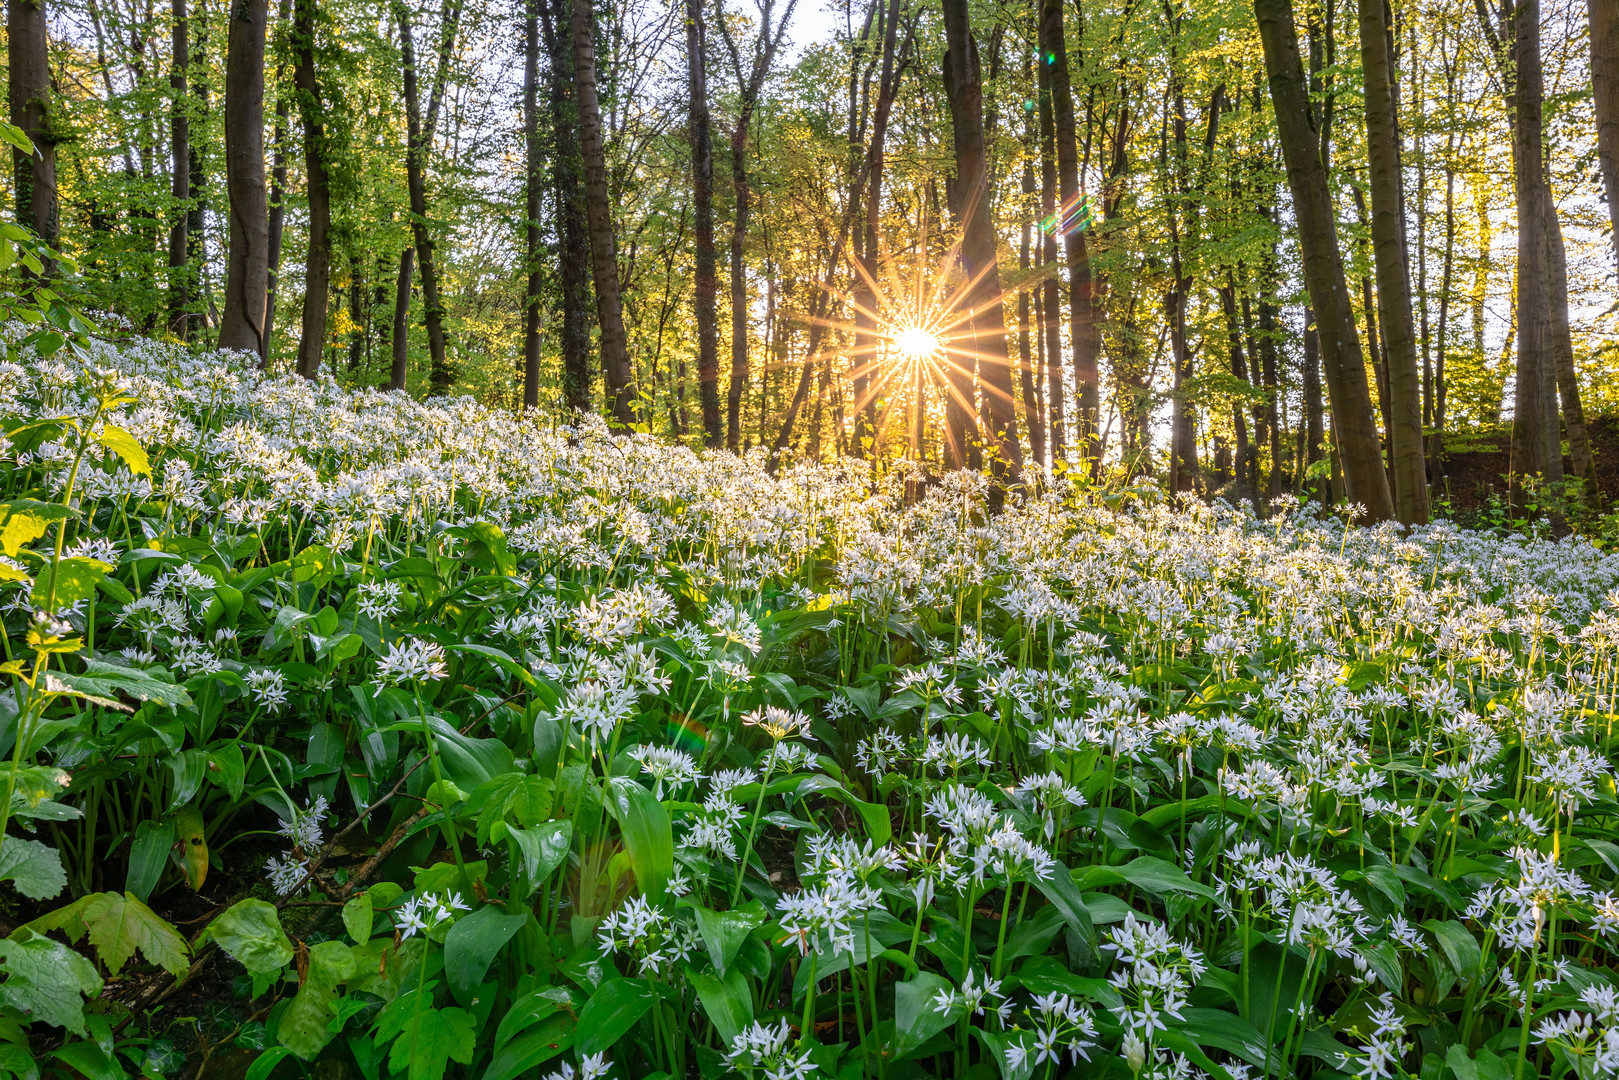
(915, 342)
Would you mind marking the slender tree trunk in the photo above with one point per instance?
(33, 175)
(1536, 441)
(1026, 358)
(1050, 300)
(1246, 468)
(978, 245)
(318, 258)
(706, 284)
(1354, 428)
(179, 170)
(1314, 429)
(1561, 343)
(603, 257)
(399, 370)
(278, 202)
(739, 285)
(419, 140)
(1604, 23)
(573, 231)
(243, 325)
(1082, 331)
(196, 212)
(1393, 280)
(533, 184)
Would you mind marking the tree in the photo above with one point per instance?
(318, 258)
(749, 86)
(33, 174)
(598, 211)
(978, 246)
(419, 140)
(180, 273)
(573, 231)
(1082, 333)
(1393, 282)
(243, 324)
(1603, 18)
(1353, 427)
(702, 195)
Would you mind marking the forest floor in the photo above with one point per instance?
(1476, 470)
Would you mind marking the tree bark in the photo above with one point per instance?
(196, 212)
(598, 210)
(318, 257)
(1354, 428)
(1604, 23)
(1051, 288)
(1026, 358)
(1561, 342)
(419, 139)
(1536, 441)
(706, 284)
(533, 183)
(33, 175)
(179, 170)
(1393, 280)
(978, 244)
(400, 368)
(573, 231)
(242, 324)
(1082, 331)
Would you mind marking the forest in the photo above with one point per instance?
(782, 539)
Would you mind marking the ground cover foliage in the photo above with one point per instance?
(449, 743)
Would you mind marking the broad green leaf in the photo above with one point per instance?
(305, 1025)
(725, 931)
(1459, 945)
(26, 521)
(644, 825)
(265, 1063)
(119, 925)
(917, 1017)
(251, 932)
(429, 1039)
(727, 1001)
(1060, 889)
(194, 858)
(358, 915)
(471, 945)
(46, 981)
(76, 580)
(611, 1012)
(148, 855)
(35, 870)
(543, 848)
(125, 446)
(91, 1060)
(543, 1041)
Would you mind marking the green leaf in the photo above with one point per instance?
(543, 848)
(110, 680)
(76, 580)
(644, 825)
(26, 521)
(547, 1038)
(91, 1060)
(1065, 896)
(916, 1016)
(119, 925)
(265, 1063)
(251, 932)
(610, 1013)
(305, 1025)
(471, 945)
(148, 855)
(46, 981)
(728, 1002)
(725, 931)
(1485, 1065)
(35, 870)
(429, 1039)
(1460, 947)
(125, 446)
(358, 915)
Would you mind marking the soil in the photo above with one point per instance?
(1476, 470)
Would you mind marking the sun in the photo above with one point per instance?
(915, 342)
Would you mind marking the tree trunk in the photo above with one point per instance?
(1604, 22)
(1561, 343)
(1026, 358)
(706, 284)
(1050, 300)
(278, 204)
(1354, 428)
(318, 258)
(533, 183)
(1393, 280)
(33, 175)
(399, 370)
(196, 212)
(1536, 441)
(573, 232)
(419, 140)
(1082, 330)
(978, 244)
(1314, 429)
(598, 210)
(179, 170)
(243, 324)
